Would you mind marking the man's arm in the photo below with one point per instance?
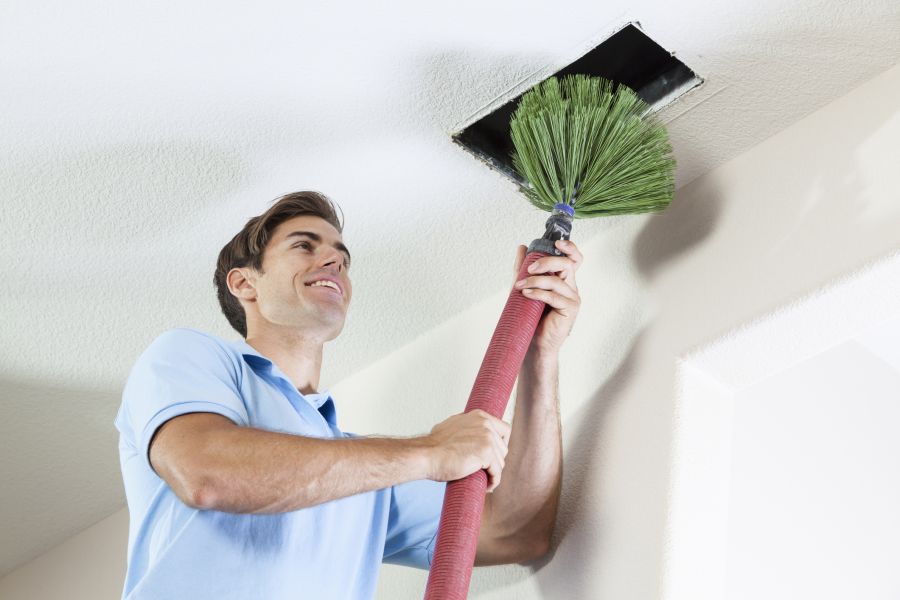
(211, 463)
(519, 517)
(520, 514)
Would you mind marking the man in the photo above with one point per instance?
(240, 483)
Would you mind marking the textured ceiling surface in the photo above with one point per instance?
(136, 139)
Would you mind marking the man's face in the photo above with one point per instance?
(302, 251)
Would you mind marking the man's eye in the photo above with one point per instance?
(305, 245)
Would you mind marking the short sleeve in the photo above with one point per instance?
(182, 371)
(413, 523)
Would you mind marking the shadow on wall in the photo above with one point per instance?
(674, 232)
(585, 454)
(58, 456)
(812, 203)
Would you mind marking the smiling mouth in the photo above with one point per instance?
(326, 285)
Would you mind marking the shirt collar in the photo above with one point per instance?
(253, 357)
(259, 362)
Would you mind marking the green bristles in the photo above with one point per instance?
(579, 132)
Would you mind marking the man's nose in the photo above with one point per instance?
(331, 257)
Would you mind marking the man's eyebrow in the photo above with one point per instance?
(317, 238)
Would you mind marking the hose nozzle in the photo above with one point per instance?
(558, 227)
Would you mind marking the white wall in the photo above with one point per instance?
(784, 451)
(815, 201)
(814, 486)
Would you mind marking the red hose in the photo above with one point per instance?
(457, 538)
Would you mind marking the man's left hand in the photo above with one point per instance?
(552, 281)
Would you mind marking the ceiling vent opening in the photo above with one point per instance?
(628, 57)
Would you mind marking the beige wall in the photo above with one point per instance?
(89, 565)
(816, 201)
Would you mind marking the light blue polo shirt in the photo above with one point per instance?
(329, 551)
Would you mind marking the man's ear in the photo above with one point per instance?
(242, 283)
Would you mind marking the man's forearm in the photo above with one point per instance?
(247, 470)
(524, 505)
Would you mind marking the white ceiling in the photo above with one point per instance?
(138, 137)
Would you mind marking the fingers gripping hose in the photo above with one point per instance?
(457, 538)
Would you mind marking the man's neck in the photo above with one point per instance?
(298, 357)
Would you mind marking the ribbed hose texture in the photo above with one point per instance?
(457, 538)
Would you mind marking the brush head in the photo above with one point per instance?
(589, 143)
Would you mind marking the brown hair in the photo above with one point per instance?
(246, 249)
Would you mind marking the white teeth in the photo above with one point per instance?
(325, 282)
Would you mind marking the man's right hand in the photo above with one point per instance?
(467, 442)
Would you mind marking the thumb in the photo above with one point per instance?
(520, 258)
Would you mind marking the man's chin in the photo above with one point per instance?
(333, 327)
